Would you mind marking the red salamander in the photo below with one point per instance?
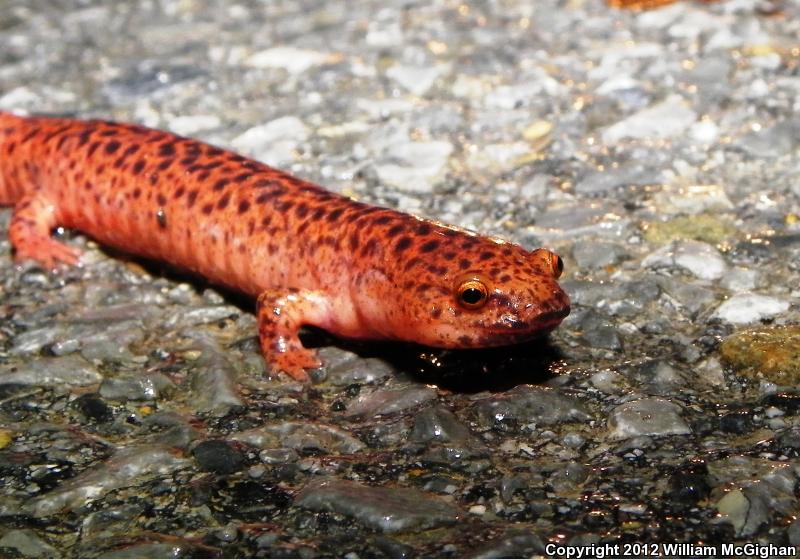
(310, 256)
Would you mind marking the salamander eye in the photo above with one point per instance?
(472, 293)
(552, 260)
(557, 264)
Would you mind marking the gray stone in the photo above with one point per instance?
(649, 416)
(28, 544)
(530, 404)
(69, 370)
(389, 402)
(379, 508)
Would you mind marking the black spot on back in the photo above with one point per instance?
(429, 246)
(83, 137)
(402, 244)
(354, 241)
(395, 230)
(112, 146)
(423, 229)
(223, 202)
(167, 149)
(284, 205)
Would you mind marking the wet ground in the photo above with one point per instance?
(657, 152)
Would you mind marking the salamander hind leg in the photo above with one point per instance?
(30, 234)
(281, 313)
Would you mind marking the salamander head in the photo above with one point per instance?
(469, 292)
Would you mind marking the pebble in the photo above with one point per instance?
(599, 331)
(745, 515)
(416, 79)
(384, 509)
(188, 125)
(772, 141)
(526, 404)
(699, 259)
(597, 254)
(769, 353)
(293, 60)
(213, 385)
(389, 402)
(219, 457)
(647, 416)
(28, 544)
(300, 436)
(746, 308)
(149, 386)
(174, 549)
(71, 370)
(666, 119)
(121, 470)
(600, 182)
(275, 143)
(414, 166)
(518, 543)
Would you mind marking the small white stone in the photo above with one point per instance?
(704, 132)
(383, 35)
(293, 60)
(382, 108)
(274, 142)
(477, 510)
(759, 88)
(19, 97)
(414, 166)
(667, 119)
(740, 279)
(744, 308)
(495, 158)
(699, 259)
(692, 200)
(188, 125)
(617, 83)
(416, 79)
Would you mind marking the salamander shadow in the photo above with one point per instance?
(461, 371)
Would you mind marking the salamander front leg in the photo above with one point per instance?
(281, 313)
(30, 234)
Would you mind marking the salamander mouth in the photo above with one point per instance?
(511, 332)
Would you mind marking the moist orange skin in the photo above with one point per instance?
(310, 256)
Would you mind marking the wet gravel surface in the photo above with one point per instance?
(658, 152)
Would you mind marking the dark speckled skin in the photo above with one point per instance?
(311, 256)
